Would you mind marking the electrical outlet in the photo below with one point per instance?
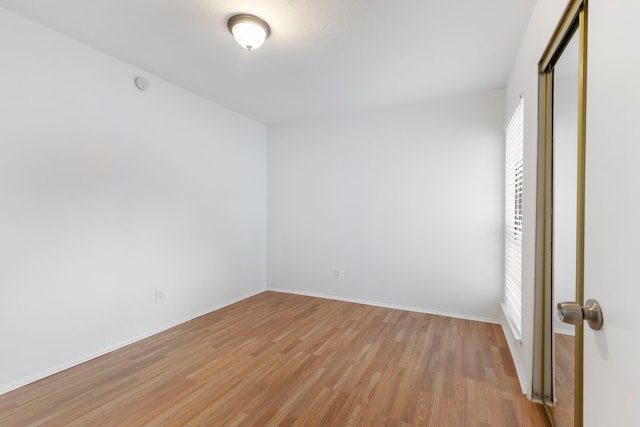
(337, 273)
(160, 295)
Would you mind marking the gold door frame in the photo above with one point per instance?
(574, 19)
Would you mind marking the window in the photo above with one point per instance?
(513, 219)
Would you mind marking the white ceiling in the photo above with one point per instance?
(323, 56)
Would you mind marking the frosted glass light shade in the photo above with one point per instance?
(248, 30)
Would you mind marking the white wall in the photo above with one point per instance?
(406, 201)
(107, 193)
(523, 80)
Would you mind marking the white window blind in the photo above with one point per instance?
(513, 219)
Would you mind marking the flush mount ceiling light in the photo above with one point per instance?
(248, 30)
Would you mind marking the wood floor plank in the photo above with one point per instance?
(287, 360)
(564, 379)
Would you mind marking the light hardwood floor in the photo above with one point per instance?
(280, 359)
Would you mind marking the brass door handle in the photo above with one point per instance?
(574, 314)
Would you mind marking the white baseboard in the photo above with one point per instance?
(386, 305)
(5, 388)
